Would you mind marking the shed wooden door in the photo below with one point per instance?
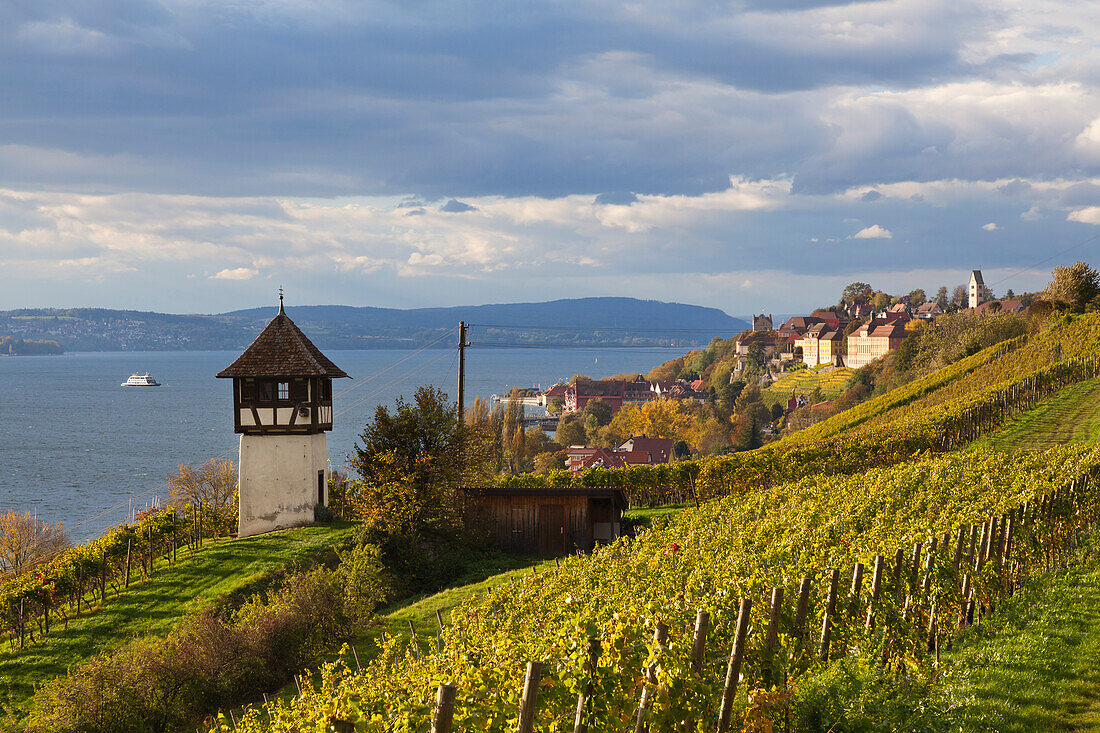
(551, 529)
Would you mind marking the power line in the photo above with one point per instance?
(1043, 261)
(569, 347)
(599, 329)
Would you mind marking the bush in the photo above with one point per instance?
(211, 662)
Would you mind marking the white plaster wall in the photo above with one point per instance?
(278, 481)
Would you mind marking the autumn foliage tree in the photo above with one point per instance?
(211, 489)
(1073, 287)
(25, 541)
(410, 464)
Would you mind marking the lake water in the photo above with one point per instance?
(76, 447)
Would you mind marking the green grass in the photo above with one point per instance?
(155, 606)
(1071, 416)
(1034, 667)
(644, 516)
(803, 381)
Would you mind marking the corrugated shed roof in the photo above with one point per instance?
(282, 350)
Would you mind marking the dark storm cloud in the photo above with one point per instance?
(433, 97)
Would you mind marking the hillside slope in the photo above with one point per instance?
(1071, 416)
(704, 559)
(155, 606)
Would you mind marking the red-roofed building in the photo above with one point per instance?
(1000, 306)
(638, 451)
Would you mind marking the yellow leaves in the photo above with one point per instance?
(657, 419)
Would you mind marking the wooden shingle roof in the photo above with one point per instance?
(282, 350)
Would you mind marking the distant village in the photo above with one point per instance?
(865, 326)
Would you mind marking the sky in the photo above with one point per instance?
(194, 155)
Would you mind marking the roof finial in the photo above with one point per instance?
(281, 311)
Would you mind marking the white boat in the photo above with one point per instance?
(140, 380)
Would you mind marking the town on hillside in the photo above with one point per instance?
(794, 369)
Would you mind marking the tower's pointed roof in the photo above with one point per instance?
(282, 350)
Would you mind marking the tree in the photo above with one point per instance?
(856, 292)
(599, 410)
(1009, 294)
(916, 297)
(881, 301)
(941, 297)
(212, 487)
(570, 431)
(24, 541)
(478, 413)
(546, 463)
(959, 298)
(411, 463)
(1073, 287)
(728, 394)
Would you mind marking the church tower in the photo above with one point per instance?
(282, 407)
(977, 290)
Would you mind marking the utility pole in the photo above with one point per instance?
(462, 372)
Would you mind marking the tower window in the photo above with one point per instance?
(284, 390)
(265, 391)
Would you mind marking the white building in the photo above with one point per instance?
(282, 407)
(978, 292)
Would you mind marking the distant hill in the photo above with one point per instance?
(576, 322)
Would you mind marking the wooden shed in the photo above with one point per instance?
(550, 521)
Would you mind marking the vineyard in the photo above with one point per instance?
(694, 620)
(942, 411)
(804, 381)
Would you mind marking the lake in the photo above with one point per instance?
(76, 447)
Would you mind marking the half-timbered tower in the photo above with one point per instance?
(282, 407)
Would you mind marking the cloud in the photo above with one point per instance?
(237, 273)
(873, 232)
(454, 206)
(429, 100)
(870, 196)
(990, 227)
(1088, 215)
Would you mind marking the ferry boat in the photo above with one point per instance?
(140, 380)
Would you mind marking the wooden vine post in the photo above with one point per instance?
(876, 588)
(580, 722)
(699, 639)
(733, 670)
(530, 698)
(803, 608)
(772, 635)
(827, 617)
(853, 594)
(660, 636)
(443, 715)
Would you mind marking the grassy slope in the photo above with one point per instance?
(803, 381)
(1072, 416)
(1036, 667)
(154, 607)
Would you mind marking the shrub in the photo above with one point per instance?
(210, 662)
